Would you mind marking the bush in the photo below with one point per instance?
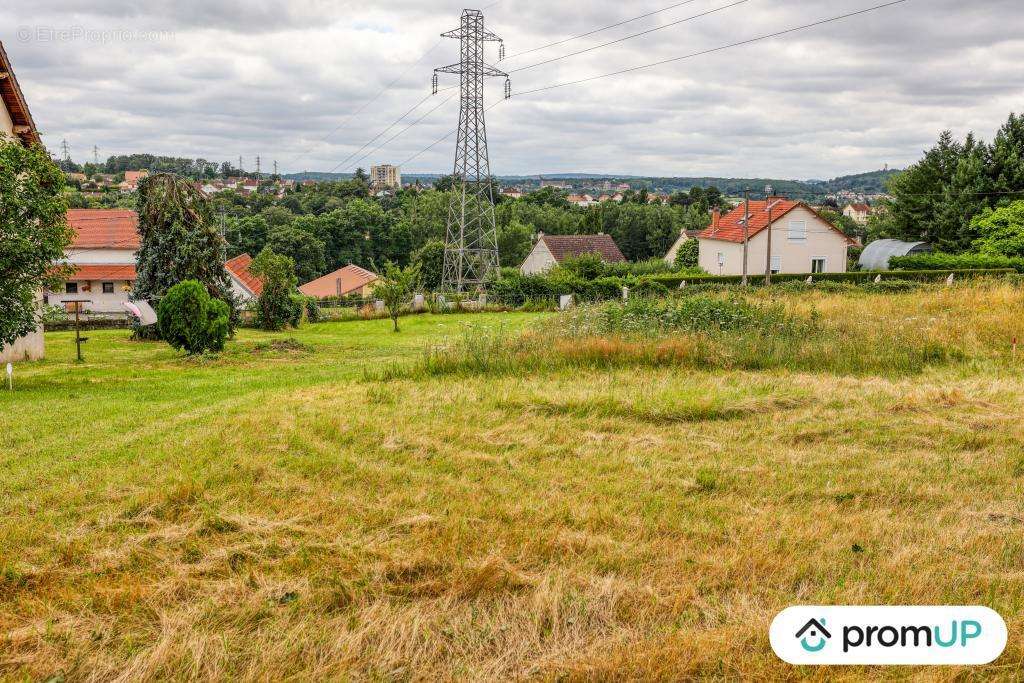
(296, 309)
(951, 262)
(312, 309)
(190, 319)
(650, 289)
(673, 281)
(689, 254)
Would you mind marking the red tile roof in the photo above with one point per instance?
(239, 267)
(729, 227)
(101, 272)
(861, 208)
(104, 229)
(339, 283)
(567, 246)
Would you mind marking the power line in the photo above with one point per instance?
(720, 48)
(348, 119)
(401, 132)
(673, 59)
(621, 23)
(630, 37)
(599, 30)
(380, 134)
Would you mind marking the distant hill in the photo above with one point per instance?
(862, 183)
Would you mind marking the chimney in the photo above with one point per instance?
(716, 218)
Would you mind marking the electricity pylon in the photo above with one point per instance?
(471, 247)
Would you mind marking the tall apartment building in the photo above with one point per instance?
(386, 176)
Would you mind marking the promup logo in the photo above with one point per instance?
(815, 631)
(888, 635)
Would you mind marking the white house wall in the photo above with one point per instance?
(539, 261)
(101, 257)
(6, 124)
(98, 301)
(796, 256)
(29, 347)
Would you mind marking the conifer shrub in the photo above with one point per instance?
(193, 321)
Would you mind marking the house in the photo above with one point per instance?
(802, 241)
(684, 237)
(16, 122)
(581, 200)
(551, 250)
(132, 179)
(103, 253)
(244, 285)
(858, 212)
(350, 280)
(876, 255)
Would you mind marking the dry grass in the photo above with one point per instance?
(284, 519)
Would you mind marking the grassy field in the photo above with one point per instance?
(280, 513)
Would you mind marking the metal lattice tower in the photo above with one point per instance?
(471, 247)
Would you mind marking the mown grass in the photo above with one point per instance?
(274, 514)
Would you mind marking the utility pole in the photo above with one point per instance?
(471, 244)
(746, 235)
(96, 155)
(258, 178)
(65, 154)
(768, 192)
(241, 169)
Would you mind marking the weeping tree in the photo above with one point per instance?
(180, 241)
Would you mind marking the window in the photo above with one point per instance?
(108, 287)
(776, 265)
(798, 231)
(818, 265)
(71, 288)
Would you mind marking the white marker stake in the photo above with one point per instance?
(10, 377)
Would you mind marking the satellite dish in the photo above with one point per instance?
(142, 311)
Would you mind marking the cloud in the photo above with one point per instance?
(309, 82)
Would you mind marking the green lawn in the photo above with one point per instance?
(275, 513)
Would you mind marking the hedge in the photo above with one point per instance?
(940, 261)
(673, 281)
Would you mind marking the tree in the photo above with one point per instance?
(395, 288)
(918, 193)
(190, 319)
(515, 242)
(361, 175)
(1001, 231)
(689, 254)
(446, 183)
(276, 303)
(305, 250)
(180, 240)
(33, 234)
(430, 260)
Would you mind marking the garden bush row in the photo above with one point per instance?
(673, 281)
(947, 262)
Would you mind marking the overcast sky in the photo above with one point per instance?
(219, 79)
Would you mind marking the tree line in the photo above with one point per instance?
(960, 194)
(326, 226)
